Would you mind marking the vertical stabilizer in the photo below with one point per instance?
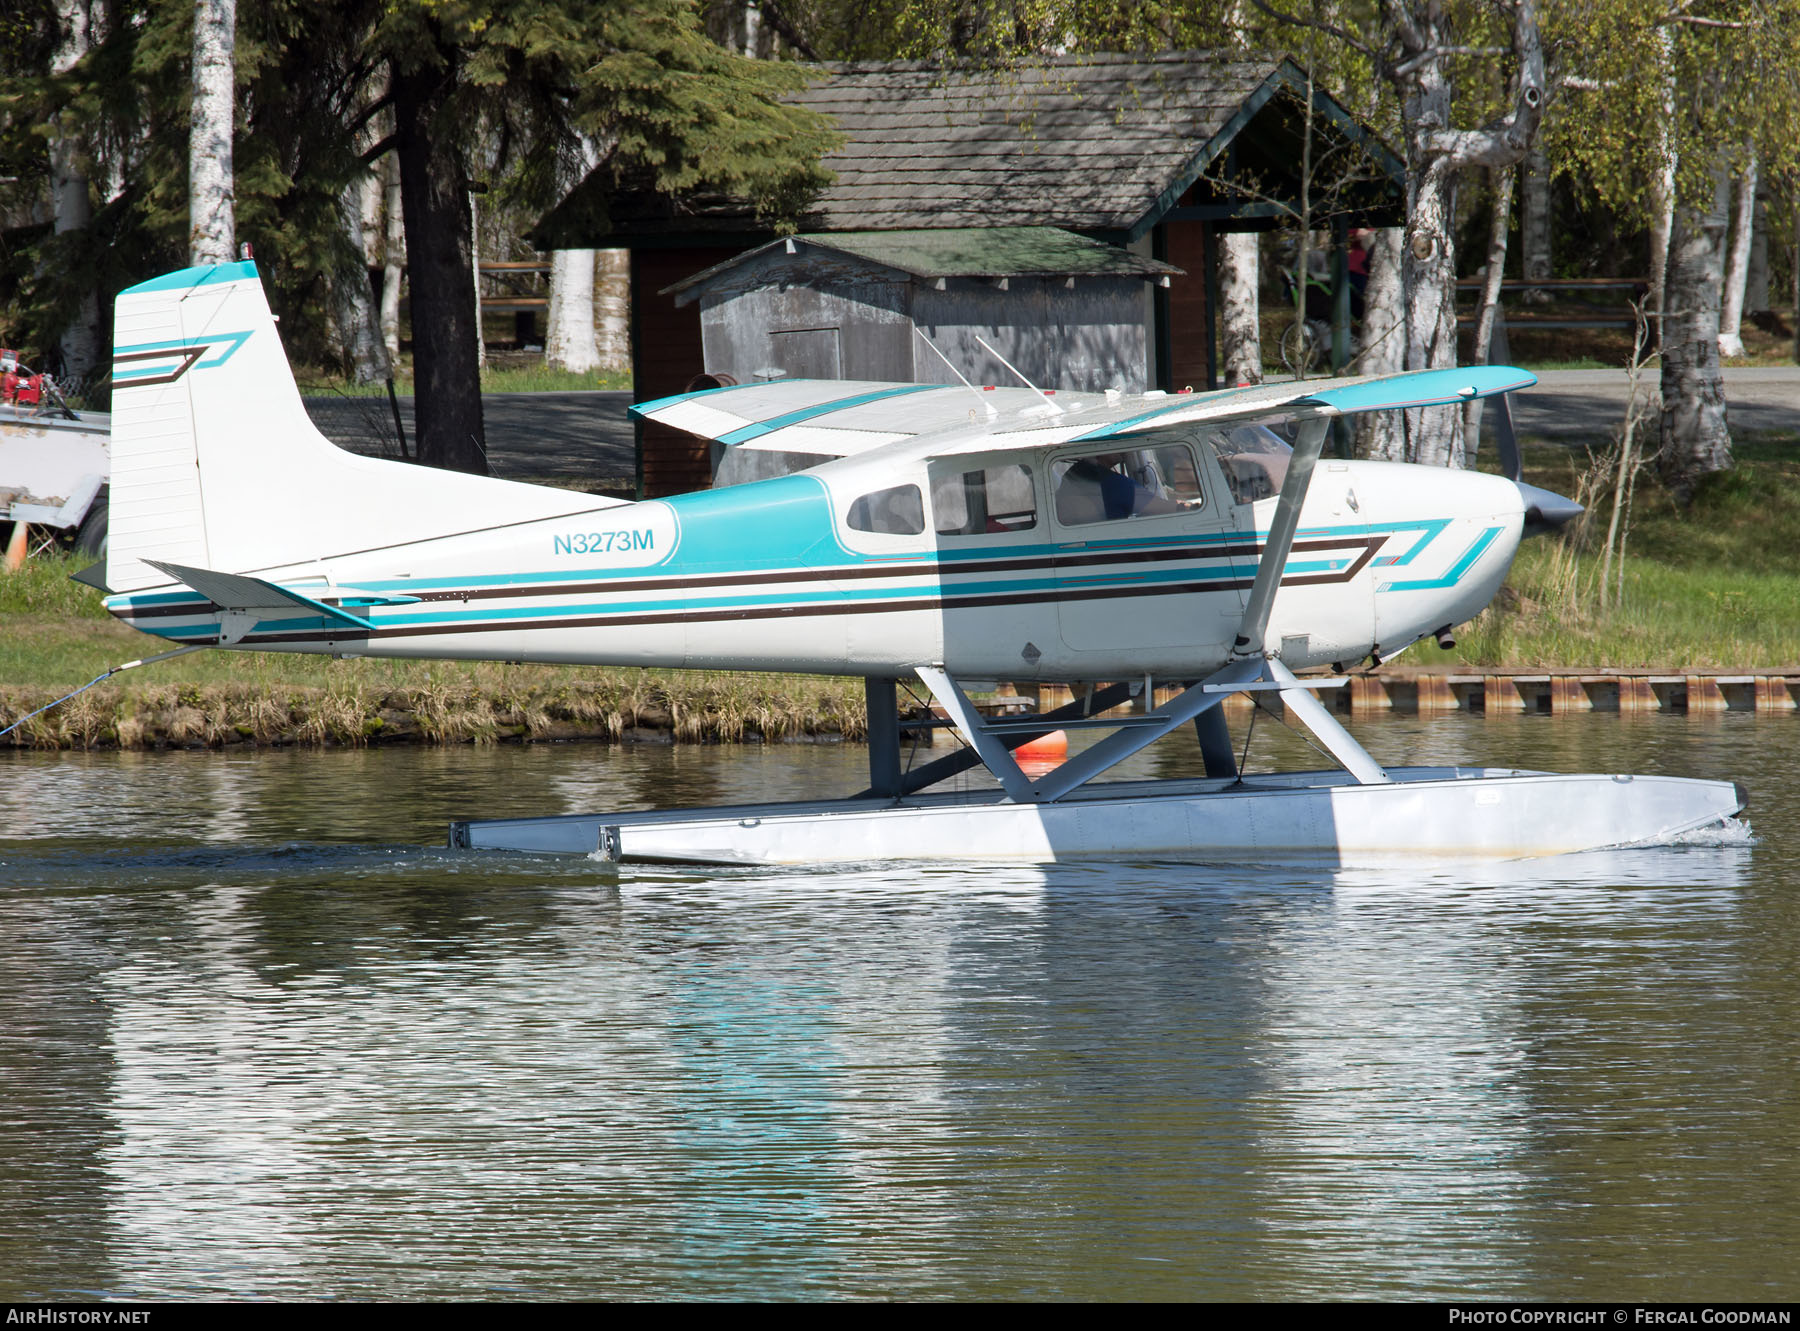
(216, 465)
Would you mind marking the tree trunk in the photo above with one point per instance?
(1695, 440)
(212, 225)
(1662, 222)
(1428, 262)
(393, 260)
(1381, 434)
(1534, 222)
(1737, 271)
(1756, 283)
(612, 310)
(364, 355)
(475, 277)
(1435, 156)
(569, 343)
(1240, 332)
(1662, 194)
(80, 342)
(1489, 309)
(439, 258)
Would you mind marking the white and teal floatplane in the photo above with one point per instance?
(955, 534)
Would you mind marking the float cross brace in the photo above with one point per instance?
(1139, 732)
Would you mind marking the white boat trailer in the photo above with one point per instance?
(1360, 815)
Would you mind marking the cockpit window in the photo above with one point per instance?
(1254, 461)
(992, 500)
(1125, 483)
(896, 511)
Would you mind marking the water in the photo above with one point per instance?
(260, 1038)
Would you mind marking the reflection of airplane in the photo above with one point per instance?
(957, 535)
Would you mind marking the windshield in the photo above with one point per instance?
(1254, 460)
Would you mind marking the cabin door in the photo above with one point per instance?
(1142, 550)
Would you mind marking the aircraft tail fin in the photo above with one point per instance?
(216, 465)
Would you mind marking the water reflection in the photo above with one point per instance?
(259, 1046)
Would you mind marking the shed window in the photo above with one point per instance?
(896, 511)
(992, 500)
(1125, 483)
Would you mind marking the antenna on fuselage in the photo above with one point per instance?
(1054, 409)
(985, 404)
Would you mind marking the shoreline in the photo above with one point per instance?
(720, 710)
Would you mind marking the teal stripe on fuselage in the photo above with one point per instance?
(1451, 578)
(784, 522)
(798, 533)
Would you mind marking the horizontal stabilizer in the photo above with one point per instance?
(237, 592)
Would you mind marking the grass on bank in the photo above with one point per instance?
(1714, 586)
(54, 636)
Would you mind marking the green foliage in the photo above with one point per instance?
(1713, 585)
(1638, 86)
(537, 82)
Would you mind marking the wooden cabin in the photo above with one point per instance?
(1152, 156)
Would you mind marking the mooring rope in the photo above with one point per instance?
(101, 678)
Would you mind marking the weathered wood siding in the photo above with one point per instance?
(830, 319)
(1084, 337)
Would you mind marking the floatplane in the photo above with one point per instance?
(955, 534)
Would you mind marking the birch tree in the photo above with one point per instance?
(358, 323)
(1681, 96)
(1696, 439)
(71, 206)
(393, 257)
(1534, 221)
(1737, 267)
(1382, 348)
(1412, 46)
(212, 223)
(1240, 333)
(569, 341)
(612, 309)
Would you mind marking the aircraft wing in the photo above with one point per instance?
(841, 418)
(1304, 400)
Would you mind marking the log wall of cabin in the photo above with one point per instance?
(666, 354)
(1187, 245)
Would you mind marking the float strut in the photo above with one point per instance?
(884, 737)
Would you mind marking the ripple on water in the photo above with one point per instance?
(251, 1045)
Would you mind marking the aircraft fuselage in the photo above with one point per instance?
(994, 572)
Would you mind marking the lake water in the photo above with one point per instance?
(261, 1037)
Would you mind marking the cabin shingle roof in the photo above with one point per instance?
(1102, 144)
(1090, 144)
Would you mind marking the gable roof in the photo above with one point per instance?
(1103, 144)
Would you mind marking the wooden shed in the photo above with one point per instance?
(1154, 155)
(916, 306)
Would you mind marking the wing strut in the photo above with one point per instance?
(1307, 448)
